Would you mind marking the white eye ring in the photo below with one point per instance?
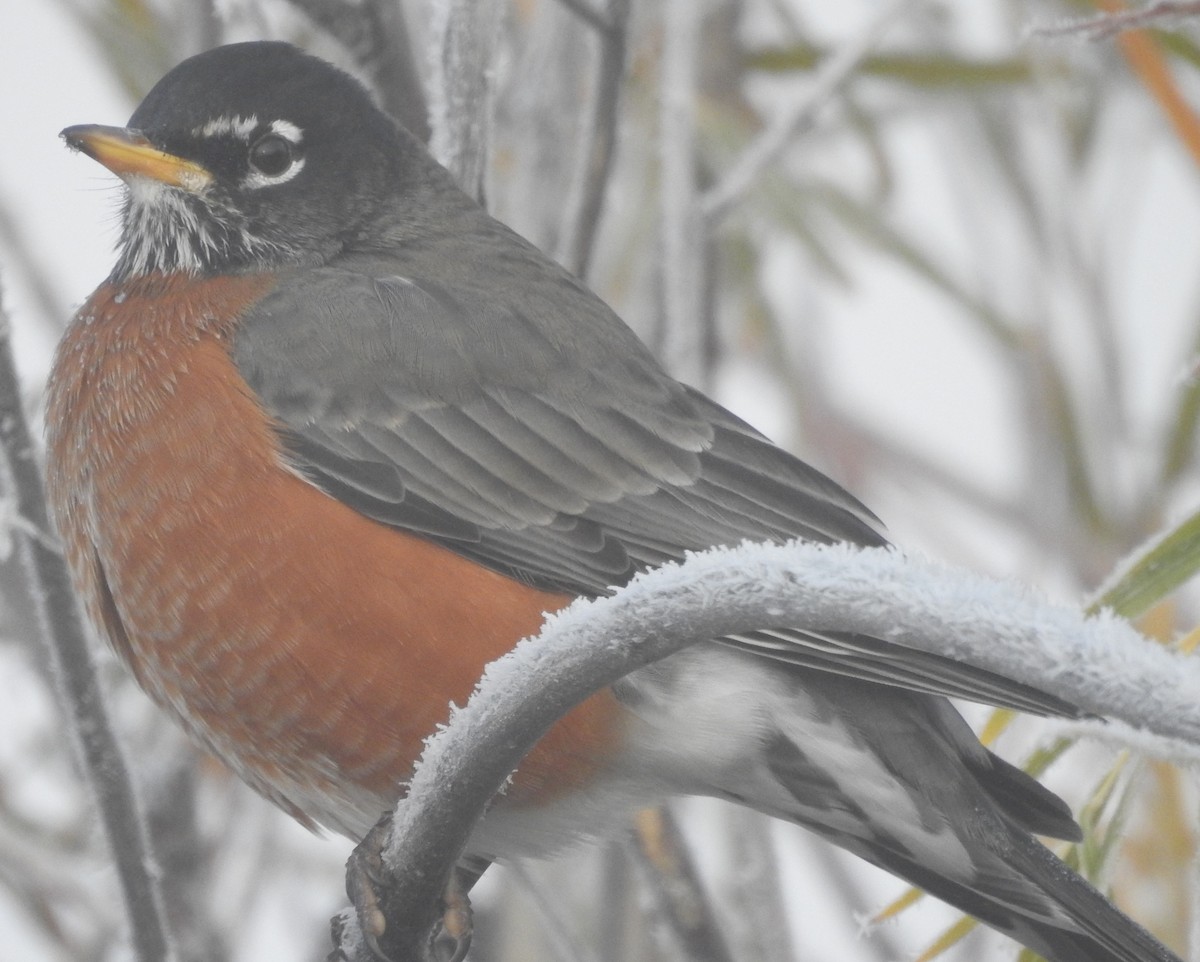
(271, 155)
(274, 156)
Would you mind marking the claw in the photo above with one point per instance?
(365, 876)
(367, 882)
(456, 927)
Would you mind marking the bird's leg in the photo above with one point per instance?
(365, 877)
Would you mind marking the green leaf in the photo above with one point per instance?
(933, 71)
(1181, 443)
(1171, 559)
(1179, 46)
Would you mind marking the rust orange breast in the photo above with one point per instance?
(310, 647)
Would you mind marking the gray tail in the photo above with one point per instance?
(928, 803)
(1069, 922)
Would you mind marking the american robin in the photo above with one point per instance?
(330, 438)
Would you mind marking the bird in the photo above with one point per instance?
(330, 438)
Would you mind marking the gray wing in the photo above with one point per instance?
(558, 454)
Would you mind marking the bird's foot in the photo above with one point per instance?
(368, 881)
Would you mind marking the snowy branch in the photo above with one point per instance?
(1106, 25)
(1100, 664)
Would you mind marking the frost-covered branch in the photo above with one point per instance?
(80, 698)
(1100, 664)
(1109, 24)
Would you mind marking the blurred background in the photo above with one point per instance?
(962, 281)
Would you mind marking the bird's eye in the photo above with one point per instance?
(271, 155)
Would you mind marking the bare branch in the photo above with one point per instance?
(1107, 25)
(376, 35)
(755, 890)
(683, 276)
(594, 18)
(462, 40)
(1100, 664)
(801, 117)
(186, 860)
(660, 851)
(80, 698)
(597, 146)
(614, 904)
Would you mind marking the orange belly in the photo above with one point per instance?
(306, 644)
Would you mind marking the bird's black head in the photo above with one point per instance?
(250, 157)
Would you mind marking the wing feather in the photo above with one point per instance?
(562, 456)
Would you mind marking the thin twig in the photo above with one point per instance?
(1106, 25)
(1145, 56)
(78, 686)
(597, 146)
(767, 147)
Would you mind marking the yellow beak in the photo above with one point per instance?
(126, 152)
